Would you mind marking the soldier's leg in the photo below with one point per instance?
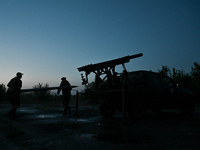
(12, 111)
(65, 104)
(15, 104)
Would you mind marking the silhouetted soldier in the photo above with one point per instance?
(13, 93)
(66, 92)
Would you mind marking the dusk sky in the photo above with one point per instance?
(49, 39)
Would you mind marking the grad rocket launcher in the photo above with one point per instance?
(105, 67)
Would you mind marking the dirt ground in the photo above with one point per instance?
(43, 127)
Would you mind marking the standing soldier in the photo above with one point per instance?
(66, 92)
(13, 93)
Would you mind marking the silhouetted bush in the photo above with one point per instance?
(195, 75)
(43, 94)
(2, 91)
(188, 80)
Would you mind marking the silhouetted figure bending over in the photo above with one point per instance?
(66, 92)
(13, 93)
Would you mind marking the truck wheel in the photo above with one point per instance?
(188, 107)
(137, 109)
(107, 109)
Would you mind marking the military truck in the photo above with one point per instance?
(135, 92)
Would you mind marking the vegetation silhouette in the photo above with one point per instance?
(187, 80)
(2, 91)
(41, 95)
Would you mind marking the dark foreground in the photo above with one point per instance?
(39, 128)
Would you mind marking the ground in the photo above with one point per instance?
(43, 127)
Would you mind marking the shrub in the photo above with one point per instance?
(41, 94)
(2, 91)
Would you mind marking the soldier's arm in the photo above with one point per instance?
(58, 91)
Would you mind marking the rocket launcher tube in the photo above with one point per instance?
(110, 63)
(48, 88)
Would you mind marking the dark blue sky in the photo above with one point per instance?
(48, 39)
